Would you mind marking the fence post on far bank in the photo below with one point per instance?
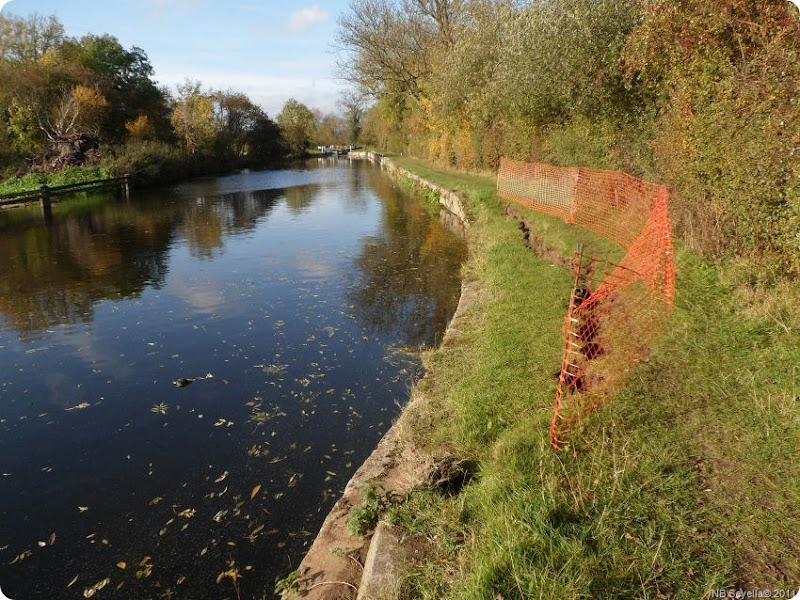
(44, 199)
(127, 185)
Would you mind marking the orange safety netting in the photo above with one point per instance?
(615, 310)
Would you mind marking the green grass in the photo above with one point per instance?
(685, 483)
(32, 181)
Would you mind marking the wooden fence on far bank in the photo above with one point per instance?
(46, 194)
(616, 310)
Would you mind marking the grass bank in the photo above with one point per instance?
(32, 181)
(686, 483)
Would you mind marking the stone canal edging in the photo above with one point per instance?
(339, 565)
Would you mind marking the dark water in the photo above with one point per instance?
(286, 296)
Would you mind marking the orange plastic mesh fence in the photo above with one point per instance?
(615, 310)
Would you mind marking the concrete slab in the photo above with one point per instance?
(385, 562)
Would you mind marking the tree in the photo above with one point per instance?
(124, 77)
(265, 144)
(331, 130)
(193, 118)
(298, 126)
(27, 40)
(353, 105)
(79, 113)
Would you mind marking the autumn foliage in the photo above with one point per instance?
(700, 95)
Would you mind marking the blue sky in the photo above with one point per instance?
(269, 50)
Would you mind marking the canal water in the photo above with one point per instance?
(189, 377)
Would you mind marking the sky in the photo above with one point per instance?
(270, 50)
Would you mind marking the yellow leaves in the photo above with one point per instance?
(83, 508)
(122, 565)
(255, 491)
(187, 513)
(140, 129)
(156, 500)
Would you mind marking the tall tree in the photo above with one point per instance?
(28, 39)
(193, 118)
(353, 105)
(298, 126)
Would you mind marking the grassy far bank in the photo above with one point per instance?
(684, 484)
(32, 181)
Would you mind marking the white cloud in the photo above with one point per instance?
(304, 19)
(3, 3)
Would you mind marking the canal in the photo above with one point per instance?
(189, 377)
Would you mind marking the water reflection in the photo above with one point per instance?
(407, 276)
(54, 274)
(293, 288)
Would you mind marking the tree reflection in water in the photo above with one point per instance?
(392, 297)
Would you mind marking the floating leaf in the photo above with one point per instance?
(220, 515)
(71, 583)
(89, 592)
(80, 406)
(255, 491)
(83, 508)
(122, 565)
(52, 539)
(156, 500)
(221, 477)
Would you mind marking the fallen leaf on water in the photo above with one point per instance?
(122, 565)
(187, 513)
(89, 592)
(83, 508)
(180, 580)
(255, 491)
(221, 477)
(220, 515)
(71, 583)
(80, 406)
(21, 556)
(156, 500)
(52, 539)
